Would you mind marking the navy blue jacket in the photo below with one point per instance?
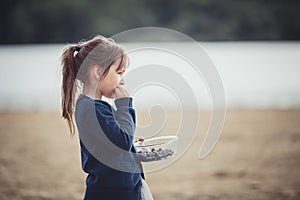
(107, 152)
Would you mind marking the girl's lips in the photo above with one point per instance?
(122, 82)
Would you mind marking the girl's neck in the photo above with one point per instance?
(90, 92)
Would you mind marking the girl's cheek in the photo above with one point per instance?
(117, 81)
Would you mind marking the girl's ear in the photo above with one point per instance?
(97, 72)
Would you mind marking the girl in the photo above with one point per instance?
(106, 134)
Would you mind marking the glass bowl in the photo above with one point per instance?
(156, 148)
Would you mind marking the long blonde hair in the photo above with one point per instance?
(76, 61)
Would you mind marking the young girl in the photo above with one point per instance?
(106, 134)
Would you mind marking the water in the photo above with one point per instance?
(254, 75)
(259, 75)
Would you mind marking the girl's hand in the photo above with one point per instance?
(120, 92)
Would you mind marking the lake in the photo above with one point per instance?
(254, 75)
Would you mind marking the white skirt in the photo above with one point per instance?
(146, 193)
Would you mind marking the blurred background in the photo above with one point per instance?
(255, 47)
(69, 21)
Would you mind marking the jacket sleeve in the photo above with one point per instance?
(119, 126)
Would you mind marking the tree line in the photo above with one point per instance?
(52, 21)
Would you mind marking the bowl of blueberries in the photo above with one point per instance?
(156, 148)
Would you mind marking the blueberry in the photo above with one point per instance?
(155, 154)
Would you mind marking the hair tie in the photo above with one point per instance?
(77, 48)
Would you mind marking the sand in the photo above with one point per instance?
(257, 157)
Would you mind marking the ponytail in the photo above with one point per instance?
(69, 85)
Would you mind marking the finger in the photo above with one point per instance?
(126, 92)
(118, 91)
(123, 90)
(119, 86)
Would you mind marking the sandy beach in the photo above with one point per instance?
(256, 157)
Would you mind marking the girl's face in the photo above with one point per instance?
(114, 77)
